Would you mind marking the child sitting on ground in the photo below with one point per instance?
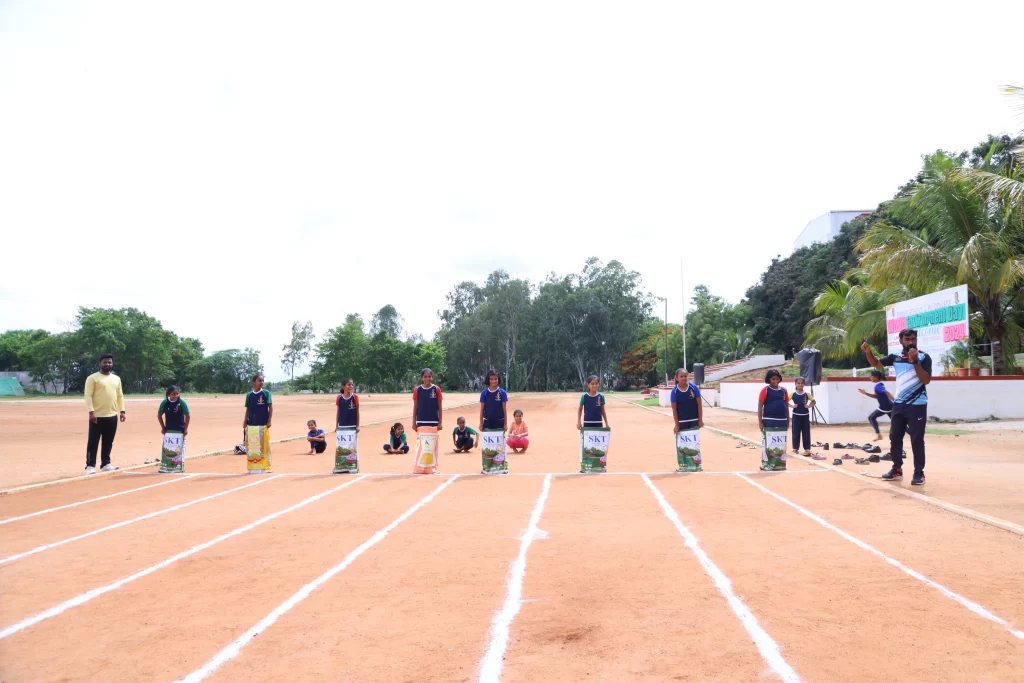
(397, 443)
(317, 438)
(518, 433)
(885, 401)
(463, 437)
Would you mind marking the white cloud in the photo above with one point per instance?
(241, 166)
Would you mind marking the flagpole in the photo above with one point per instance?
(683, 285)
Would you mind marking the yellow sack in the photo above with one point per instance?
(257, 445)
(426, 451)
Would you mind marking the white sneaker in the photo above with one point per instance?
(90, 470)
(109, 467)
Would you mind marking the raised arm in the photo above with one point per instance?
(866, 348)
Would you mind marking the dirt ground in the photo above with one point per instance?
(303, 576)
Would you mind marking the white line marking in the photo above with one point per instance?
(498, 476)
(972, 606)
(97, 592)
(232, 650)
(91, 500)
(768, 648)
(490, 666)
(179, 475)
(50, 546)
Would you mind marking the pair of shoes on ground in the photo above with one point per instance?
(868, 448)
(897, 474)
(109, 467)
(871, 458)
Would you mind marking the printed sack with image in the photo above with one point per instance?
(688, 450)
(594, 442)
(346, 451)
(773, 449)
(172, 453)
(257, 447)
(492, 450)
(426, 451)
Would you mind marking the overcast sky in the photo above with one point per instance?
(232, 167)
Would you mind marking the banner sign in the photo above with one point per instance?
(940, 319)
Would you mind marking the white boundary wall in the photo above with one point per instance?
(752, 363)
(711, 395)
(949, 398)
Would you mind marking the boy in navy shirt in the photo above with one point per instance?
(259, 408)
(910, 409)
(885, 401)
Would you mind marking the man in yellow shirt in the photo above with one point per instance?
(105, 400)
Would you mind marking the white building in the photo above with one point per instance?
(826, 227)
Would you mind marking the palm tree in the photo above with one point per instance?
(1006, 184)
(946, 233)
(847, 315)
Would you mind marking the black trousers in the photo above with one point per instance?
(801, 427)
(104, 428)
(910, 420)
(873, 419)
(318, 446)
(465, 442)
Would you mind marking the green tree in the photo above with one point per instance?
(297, 350)
(715, 329)
(947, 234)
(848, 314)
(229, 371)
(388, 321)
(342, 353)
(14, 348)
(781, 303)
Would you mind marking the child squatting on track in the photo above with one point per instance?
(773, 419)
(317, 438)
(397, 442)
(592, 411)
(518, 434)
(463, 437)
(885, 401)
(493, 404)
(802, 404)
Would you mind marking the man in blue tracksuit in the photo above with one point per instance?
(910, 410)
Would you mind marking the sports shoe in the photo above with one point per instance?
(109, 467)
(90, 470)
(918, 479)
(873, 449)
(887, 456)
(893, 475)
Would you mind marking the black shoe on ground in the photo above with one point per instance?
(887, 456)
(825, 447)
(837, 445)
(837, 461)
(918, 479)
(873, 449)
(873, 458)
(893, 475)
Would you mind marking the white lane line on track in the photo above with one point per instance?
(490, 666)
(768, 648)
(91, 500)
(972, 606)
(514, 474)
(232, 650)
(97, 592)
(57, 544)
